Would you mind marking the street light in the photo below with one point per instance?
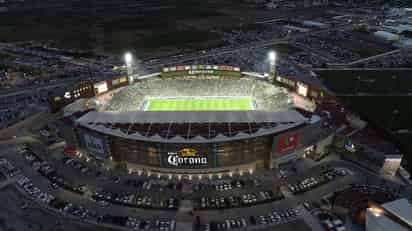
(272, 65)
(128, 58)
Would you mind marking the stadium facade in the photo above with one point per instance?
(111, 125)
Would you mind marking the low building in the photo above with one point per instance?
(387, 36)
(391, 216)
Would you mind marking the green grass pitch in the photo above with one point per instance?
(200, 104)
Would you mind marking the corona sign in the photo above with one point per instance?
(186, 157)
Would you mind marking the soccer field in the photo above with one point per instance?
(200, 104)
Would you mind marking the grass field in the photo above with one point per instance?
(200, 104)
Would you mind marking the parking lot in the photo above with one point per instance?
(68, 186)
(308, 183)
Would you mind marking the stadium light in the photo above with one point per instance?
(272, 56)
(128, 58)
(272, 65)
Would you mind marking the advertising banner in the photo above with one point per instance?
(182, 156)
(287, 143)
(94, 144)
(204, 70)
(101, 87)
(82, 90)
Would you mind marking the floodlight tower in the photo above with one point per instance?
(128, 58)
(272, 65)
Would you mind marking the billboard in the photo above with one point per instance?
(94, 144)
(304, 103)
(118, 82)
(287, 143)
(101, 87)
(302, 89)
(82, 90)
(187, 156)
(391, 164)
(193, 70)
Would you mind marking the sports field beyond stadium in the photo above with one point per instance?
(200, 104)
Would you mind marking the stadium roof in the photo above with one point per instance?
(192, 117)
(191, 127)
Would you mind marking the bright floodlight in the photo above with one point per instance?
(128, 58)
(272, 56)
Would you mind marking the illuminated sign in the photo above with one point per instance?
(302, 89)
(391, 164)
(349, 146)
(201, 67)
(304, 103)
(101, 87)
(67, 95)
(123, 80)
(287, 143)
(186, 156)
(195, 72)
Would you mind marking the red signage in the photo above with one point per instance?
(287, 143)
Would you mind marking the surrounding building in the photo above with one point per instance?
(391, 216)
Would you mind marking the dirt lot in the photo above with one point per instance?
(160, 25)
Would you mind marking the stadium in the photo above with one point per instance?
(190, 120)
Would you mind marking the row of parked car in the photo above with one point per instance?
(275, 217)
(331, 222)
(76, 164)
(161, 225)
(8, 168)
(78, 211)
(136, 201)
(309, 183)
(134, 223)
(177, 186)
(25, 183)
(224, 225)
(47, 198)
(271, 218)
(48, 171)
(246, 199)
(226, 185)
(152, 185)
(132, 200)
